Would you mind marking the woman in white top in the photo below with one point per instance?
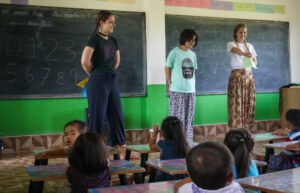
(241, 86)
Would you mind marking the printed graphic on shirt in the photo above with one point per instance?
(187, 68)
(108, 51)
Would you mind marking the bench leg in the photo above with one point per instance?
(269, 152)
(123, 179)
(139, 178)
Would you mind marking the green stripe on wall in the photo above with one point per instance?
(44, 116)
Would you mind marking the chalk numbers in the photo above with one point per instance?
(44, 60)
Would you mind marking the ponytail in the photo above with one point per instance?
(242, 159)
(240, 143)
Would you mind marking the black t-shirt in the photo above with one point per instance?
(104, 56)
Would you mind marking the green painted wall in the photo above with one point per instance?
(43, 116)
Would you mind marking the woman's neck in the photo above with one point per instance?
(103, 34)
(184, 48)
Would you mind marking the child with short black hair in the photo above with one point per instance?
(293, 125)
(210, 166)
(72, 130)
(88, 163)
(240, 143)
(172, 144)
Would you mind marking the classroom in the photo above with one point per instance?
(34, 120)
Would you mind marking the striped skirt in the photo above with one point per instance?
(241, 99)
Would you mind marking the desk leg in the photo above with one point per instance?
(127, 155)
(152, 174)
(144, 158)
(116, 156)
(37, 187)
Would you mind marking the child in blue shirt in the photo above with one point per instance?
(172, 144)
(288, 159)
(240, 143)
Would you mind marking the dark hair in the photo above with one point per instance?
(236, 29)
(80, 125)
(240, 143)
(188, 35)
(172, 130)
(102, 15)
(293, 116)
(89, 154)
(209, 165)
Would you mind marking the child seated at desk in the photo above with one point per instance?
(288, 159)
(240, 143)
(210, 166)
(72, 130)
(88, 164)
(292, 117)
(172, 144)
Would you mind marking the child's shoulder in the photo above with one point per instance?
(294, 135)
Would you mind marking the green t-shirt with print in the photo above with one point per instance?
(183, 65)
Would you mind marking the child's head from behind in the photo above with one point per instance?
(172, 129)
(240, 143)
(293, 118)
(210, 165)
(89, 153)
(72, 130)
(188, 36)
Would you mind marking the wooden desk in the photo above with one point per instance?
(53, 172)
(161, 187)
(287, 181)
(109, 150)
(57, 171)
(280, 145)
(172, 166)
(267, 137)
(144, 150)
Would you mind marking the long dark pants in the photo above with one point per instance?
(104, 103)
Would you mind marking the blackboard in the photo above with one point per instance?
(41, 47)
(269, 38)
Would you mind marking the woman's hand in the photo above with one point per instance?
(247, 54)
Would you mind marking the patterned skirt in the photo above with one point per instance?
(241, 99)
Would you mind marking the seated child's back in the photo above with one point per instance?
(172, 145)
(88, 163)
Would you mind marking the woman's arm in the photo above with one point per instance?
(118, 59)
(168, 71)
(86, 59)
(254, 60)
(153, 139)
(240, 52)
